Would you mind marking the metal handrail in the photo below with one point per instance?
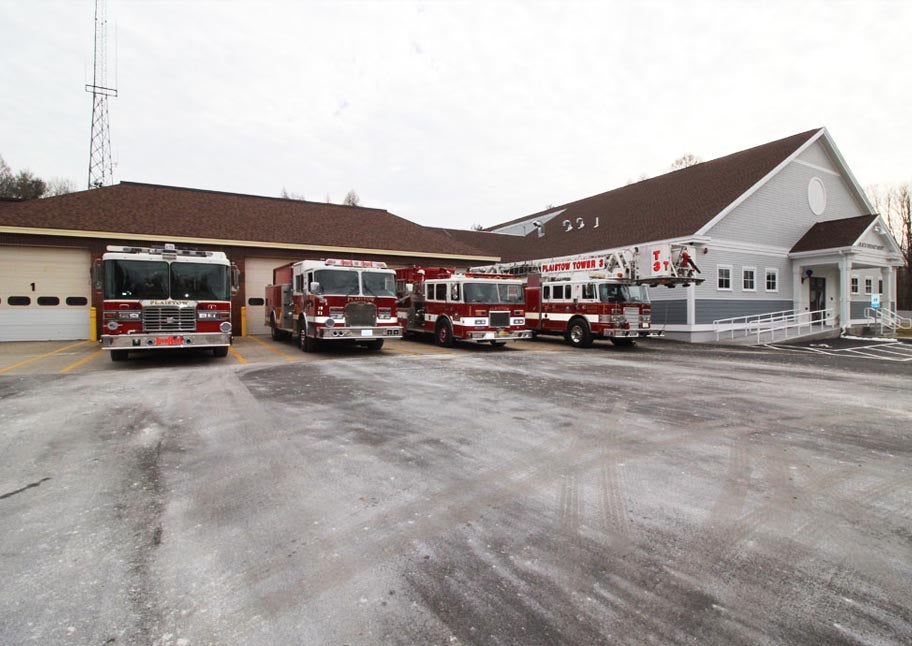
(744, 322)
(785, 323)
(888, 319)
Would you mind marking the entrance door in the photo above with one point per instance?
(817, 298)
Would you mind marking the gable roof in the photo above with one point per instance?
(150, 211)
(834, 234)
(674, 205)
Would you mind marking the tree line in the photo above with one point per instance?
(25, 185)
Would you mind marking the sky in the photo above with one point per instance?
(449, 113)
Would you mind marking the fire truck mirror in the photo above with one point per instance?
(235, 279)
(409, 287)
(316, 288)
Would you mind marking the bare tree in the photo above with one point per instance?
(59, 186)
(351, 199)
(25, 185)
(285, 195)
(685, 160)
(893, 204)
(477, 227)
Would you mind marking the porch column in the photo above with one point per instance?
(691, 292)
(845, 282)
(888, 297)
(796, 286)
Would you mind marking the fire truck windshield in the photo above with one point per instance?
(199, 282)
(144, 280)
(492, 293)
(379, 284)
(612, 293)
(337, 282)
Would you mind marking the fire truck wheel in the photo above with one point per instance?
(499, 344)
(373, 346)
(443, 335)
(118, 355)
(306, 342)
(220, 352)
(622, 342)
(578, 334)
(276, 335)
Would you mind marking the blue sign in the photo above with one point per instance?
(875, 301)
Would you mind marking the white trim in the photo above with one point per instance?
(746, 247)
(731, 272)
(828, 171)
(753, 270)
(760, 184)
(77, 233)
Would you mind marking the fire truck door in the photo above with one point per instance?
(287, 307)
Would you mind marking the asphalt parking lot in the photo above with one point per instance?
(531, 495)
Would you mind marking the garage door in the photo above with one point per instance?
(258, 274)
(45, 294)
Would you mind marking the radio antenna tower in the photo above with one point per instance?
(101, 168)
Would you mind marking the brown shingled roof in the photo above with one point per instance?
(834, 234)
(677, 204)
(152, 211)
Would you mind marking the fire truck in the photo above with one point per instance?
(162, 297)
(457, 306)
(592, 297)
(333, 301)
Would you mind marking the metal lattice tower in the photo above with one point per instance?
(101, 168)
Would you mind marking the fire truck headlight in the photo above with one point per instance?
(481, 322)
(330, 322)
(225, 327)
(113, 325)
(644, 324)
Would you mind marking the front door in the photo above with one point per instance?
(817, 298)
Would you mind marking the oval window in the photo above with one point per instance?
(817, 196)
(256, 301)
(77, 301)
(19, 300)
(48, 300)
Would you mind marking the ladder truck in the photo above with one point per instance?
(600, 296)
(461, 306)
(157, 298)
(334, 300)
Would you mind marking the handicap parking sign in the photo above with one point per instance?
(875, 301)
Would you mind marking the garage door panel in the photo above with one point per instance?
(258, 274)
(52, 287)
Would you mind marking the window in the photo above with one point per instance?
(546, 292)
(440, 292)
(589, 291)
(724, 277)
(772, 280)
(48, 300)
(255, 301)
(748, 279)
(454, 292)
(854, 284)
(869, 285)
(430, 292)
(880, 286)
(18, 300)
(77, 301)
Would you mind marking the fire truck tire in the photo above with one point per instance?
(443, 334)
(375, 345)
(220, 352)
(306, 342)
(622, 342)
(499, 344)
(276, 334)
(578, 334)
(118, 355)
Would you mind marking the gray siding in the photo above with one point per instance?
(669, 312)
(857, 308)
(818, 156)
(778, 214)
(710, 262)
(710, 310)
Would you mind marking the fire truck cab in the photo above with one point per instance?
(160, 298)
(333, 300)
(455, 306)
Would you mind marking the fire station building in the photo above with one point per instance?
(782, 226)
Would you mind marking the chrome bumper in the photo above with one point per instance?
(164, 341)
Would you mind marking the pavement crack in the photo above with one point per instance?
(31, 485)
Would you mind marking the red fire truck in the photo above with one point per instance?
(461, 306)
(158, 298)
(602, 296)
(339, 301)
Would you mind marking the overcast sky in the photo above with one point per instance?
(450, 113)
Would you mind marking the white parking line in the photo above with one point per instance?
(889, 351)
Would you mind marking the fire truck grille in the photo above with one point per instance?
(632, 315)
(500, 319)
(361, 314)
(169, 318)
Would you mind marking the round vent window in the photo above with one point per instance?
(817, 197)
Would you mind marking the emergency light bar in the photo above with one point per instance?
(355, 263)
(168, 250)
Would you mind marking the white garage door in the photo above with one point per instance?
(258, 274)
(45, 294)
